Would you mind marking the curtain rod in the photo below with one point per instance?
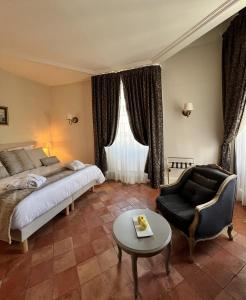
(133, 68)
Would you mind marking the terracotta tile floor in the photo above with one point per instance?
(75, 257)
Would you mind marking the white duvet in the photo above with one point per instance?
(40, 201)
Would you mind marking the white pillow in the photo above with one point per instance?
(75, 165)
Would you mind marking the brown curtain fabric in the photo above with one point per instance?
(105, 104)
(142, 89)
(233, 84)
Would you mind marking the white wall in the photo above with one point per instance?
(193, 75)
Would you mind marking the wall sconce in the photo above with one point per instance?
(188, 108)
(72, 119)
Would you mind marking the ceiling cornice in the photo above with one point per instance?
(120, 68)
(217, 16)
(48, 62)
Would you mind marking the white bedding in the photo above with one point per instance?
(40, 201)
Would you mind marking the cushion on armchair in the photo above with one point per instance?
(195, 193)
(176, 210)
(205, 181)
(212, 174)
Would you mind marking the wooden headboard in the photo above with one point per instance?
(17, 145)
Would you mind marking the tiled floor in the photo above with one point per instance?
(75, 257)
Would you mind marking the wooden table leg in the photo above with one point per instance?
(119, 253)
(167, 261)
(135, 274)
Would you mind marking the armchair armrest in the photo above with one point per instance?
(211, 217)
(174, 187)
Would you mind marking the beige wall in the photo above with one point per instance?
(73, 141)
(193, 75)
(38, 112)
(29, 109)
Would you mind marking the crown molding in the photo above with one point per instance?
(120, 68)
(217, 16)
(47, 62)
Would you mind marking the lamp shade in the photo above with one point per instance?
(188, 106)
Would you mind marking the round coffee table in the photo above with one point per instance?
(126, 238)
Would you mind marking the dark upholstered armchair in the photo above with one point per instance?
(200, 203)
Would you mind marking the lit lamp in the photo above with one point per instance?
(46, 148)
(72, 119)
(188, 108)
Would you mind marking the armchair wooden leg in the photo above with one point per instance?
(229, 232)
(191, 249)
(92, 189)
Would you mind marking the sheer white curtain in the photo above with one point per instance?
(126, 157)
(241, 162)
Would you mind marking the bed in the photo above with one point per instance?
(42, 205)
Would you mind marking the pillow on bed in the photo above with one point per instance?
(21, 147)
(3, 172)
(25, 160)
(35, 155)
(11, 162)
(51, 160)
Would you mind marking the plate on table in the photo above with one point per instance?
(141, 233)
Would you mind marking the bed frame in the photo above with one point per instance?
(23, 234)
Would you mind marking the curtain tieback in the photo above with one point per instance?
(229, 141)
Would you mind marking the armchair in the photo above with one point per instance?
(200, 204)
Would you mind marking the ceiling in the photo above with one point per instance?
(60, 41)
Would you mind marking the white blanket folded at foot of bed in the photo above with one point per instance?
(30, 181)
(75, 165)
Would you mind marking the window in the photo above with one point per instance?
(126, 157)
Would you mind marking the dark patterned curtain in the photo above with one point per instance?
(233, 84)
(142, 89)
(105, 102)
